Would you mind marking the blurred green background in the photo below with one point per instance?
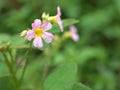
(98, 50)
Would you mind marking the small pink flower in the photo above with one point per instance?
(59, 21)
(38, 32)
(74, 34)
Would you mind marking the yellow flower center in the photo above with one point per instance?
(39, 32)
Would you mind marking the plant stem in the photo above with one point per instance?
(25, 66)
(10, 67)
(19, 47)
(12, 59)
(45, 71)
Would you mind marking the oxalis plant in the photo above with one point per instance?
(40, 37)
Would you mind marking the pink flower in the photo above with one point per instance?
(39, 32)
(74, 34)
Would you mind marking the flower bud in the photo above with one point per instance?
(23, 33)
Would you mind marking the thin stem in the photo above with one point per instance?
(15, 81)
(12, 59)
(45, 71)
(25, 66)
(25, 55)
(19, 47)
(17, 67)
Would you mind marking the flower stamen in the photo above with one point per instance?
(39, 32)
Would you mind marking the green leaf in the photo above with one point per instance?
(78, 86)
(112, 31)
(17, 40)
(117, 4)
(6, 83)
(3, 69)
(61, 77)
(95, 20)
(4, 37)
(90, 52)
(66, 23)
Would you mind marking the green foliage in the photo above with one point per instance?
(4, 37)
(61, 78)
(97, 53)
(78, 86)
(6, 83)
(3, 69)
(95, 20)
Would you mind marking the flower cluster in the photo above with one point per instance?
(40, 28)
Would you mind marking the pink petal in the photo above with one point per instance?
(38, 42)
(74, 34)
(30, 35)
(58, 11)
(59, 18)
(48, 37)
(46, 26)
(36, 24)
(75, 37)
(73, 29)
(60, 24)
